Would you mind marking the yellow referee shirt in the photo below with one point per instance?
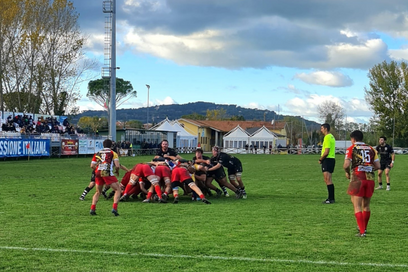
(329, 142)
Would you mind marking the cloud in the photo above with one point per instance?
(254, 105)
(399, 54)
(308, 107)
(258, 34)
(326, 78)
(166, 101)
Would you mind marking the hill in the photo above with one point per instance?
(176, 111)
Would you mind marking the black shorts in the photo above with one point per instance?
(217, 174)
(199, 173)
(175, 184)
(385, 165)
(328, 165)
(235, 168)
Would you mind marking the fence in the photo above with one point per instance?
(14, 144)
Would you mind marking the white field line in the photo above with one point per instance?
(206, 257)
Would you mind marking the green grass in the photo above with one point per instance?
(282, 226)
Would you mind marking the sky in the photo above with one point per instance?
(287, 56)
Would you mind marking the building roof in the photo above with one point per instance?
(227, 125)
(263, 133)
(237, 132)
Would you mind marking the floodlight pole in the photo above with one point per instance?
(112, 102)
(148, 89)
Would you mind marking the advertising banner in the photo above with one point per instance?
(83, 146)
(24, 148)
(98, 145)
(91, 146)
(86, 146)
(69, 147)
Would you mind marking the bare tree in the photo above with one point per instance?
(333, 114)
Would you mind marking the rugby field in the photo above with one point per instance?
(282, 226)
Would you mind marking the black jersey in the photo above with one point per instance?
(226, 160)
(203, 158)
(385, 153)
(169, 152)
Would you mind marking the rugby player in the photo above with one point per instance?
(387, 159)
(200, 173)
(363, 160)
(103, 163)
(143, 170)
(179, 176)
(234, 167)
(216, 171)
(166, 152)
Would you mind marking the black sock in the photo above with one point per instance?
(111, 194)
(388, 184)
(330, 189)
(380, 183)
(86, 191)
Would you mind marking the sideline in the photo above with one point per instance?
(205, 257)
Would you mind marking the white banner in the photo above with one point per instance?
(91, 146)
(98, 145)
(82, 146)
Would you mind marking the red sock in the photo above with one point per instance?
(128, 188)
(202, 196)
(149, 195)
(366, 216)
(115, 206)
(93, 207)
(360, 221)
(134, 190)
(158, 191)
(175, 195)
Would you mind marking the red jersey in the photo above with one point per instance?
(180, 174)
(142, 170)
(163, 171)
(362, 157)
(105, 162)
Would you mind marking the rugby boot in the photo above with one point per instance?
(206, 201)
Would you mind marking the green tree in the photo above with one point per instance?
(194, 116)
(134, 124)
(220, 114)
(237, 118)
(387, 94)
(92, 124)
(99, 91)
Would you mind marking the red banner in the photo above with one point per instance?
(69, 147)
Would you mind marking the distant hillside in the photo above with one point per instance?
(175, 111)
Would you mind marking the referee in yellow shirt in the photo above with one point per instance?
(327, 160)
